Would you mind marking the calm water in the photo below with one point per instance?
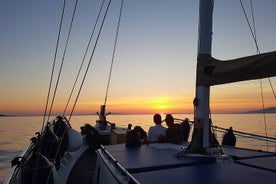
(15, 132)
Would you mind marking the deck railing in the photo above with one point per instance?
(243, 139)
(248, 140)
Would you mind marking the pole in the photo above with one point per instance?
(204, 48)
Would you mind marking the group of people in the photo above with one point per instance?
(175, 133)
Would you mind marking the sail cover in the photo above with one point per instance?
(211, 71)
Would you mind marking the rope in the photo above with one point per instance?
(254, 35)
(262, 95)
(88, 45)
(272, 88)
(113, 54)
(53, 67)
(60, 69)
(90, 60)
(254, 30)
(253, 19)
(61, 66)
(63, 57)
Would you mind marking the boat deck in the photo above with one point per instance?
(156, 163)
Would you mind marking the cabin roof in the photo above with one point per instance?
(156, 163)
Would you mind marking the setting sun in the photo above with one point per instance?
(161, 103)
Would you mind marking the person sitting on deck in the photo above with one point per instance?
(133, 139)
(186, 129)
(92, 136)
(229, 138)
(142, 133)
(156, 132)
(174, 131)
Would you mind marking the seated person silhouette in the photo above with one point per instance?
(156, 132)
(174, 131)
(185, 130)
(229, 138)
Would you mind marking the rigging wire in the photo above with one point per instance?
(254, 35)
(52, 73)
(253, 20)
(64, 5)
(252, 30)
(63, 57)
(57, 82)
(83, 59)
(53, 66)
(113, 54)
(90, 60)
(272, 88)
(264, 115)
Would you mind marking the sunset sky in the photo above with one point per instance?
(155, 60)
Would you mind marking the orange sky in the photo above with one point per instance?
(237, 101)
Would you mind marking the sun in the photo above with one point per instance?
(161, 103)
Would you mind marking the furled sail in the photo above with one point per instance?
(211, 71)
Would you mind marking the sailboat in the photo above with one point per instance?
(84, 159)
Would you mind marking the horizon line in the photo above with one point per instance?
(93, 114)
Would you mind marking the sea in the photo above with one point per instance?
(15, 132)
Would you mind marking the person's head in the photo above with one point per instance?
(59, 118)
(169, 120)
(157, 119)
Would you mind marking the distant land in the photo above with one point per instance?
(3, 115)
(267, 110)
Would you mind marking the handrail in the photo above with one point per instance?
(119, 166)
(244, 134)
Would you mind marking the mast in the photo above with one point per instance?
(204, 48)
